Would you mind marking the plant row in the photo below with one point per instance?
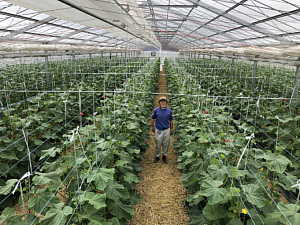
(59, 75)
(43, 123)
(241, 78)
(90, 178)
(230, 181)
(276, 121)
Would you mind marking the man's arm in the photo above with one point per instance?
(171, 120)
(153, 120)
(153, 125)
(171, 125)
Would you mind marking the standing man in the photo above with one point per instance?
(162, 123)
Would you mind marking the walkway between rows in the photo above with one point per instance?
(162, 193)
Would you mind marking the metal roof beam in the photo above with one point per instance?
(169, 20)
(169, 6)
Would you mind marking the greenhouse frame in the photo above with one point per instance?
(149, 112)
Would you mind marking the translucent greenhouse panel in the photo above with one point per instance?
(205, 32)
(254, 13)
(221, 5)
(263, 41)
(68, 24)
(12, 23)
(51, 30)
(83, 36)
(71, 41)
(295, 38)
(88, 13)
(2, 34)
(271, 27)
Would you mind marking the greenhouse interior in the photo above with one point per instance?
(150, 112)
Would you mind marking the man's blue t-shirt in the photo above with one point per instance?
(163, 116)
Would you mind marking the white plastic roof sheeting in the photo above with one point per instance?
(88, 13)
(172, 24)
(223, 23)
(110, 17)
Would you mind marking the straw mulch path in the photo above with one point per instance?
(162, 193)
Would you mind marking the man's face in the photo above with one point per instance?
(163, 104)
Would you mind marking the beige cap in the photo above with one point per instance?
(163, 98)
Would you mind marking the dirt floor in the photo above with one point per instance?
(161, 190)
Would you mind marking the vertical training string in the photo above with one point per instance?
(28, 150)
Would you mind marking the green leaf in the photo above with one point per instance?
(115, 191)
(188, 154)
(80, 160)
(233, 172)
(94, 199)
(203, 140)
(38, 203)
(209, 183)
(216, 151)
(235, 222)
(132, 126)
(279, 164)
(255, 195)
(215, 195)
(38, 142)
(51, 152)
(214, 212)
(275, 162)
(8, 155)
(121, 210)
(57, 215)
(41, 180)
(125, 143)
(9, 185)
(96, 220)
(115, 221)
(131, 178)
(122, 163)
(292, 216)
(102, 177)
(197, 219)
(7, 214)
(195, 198)
(287, 181)
(233, 192)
